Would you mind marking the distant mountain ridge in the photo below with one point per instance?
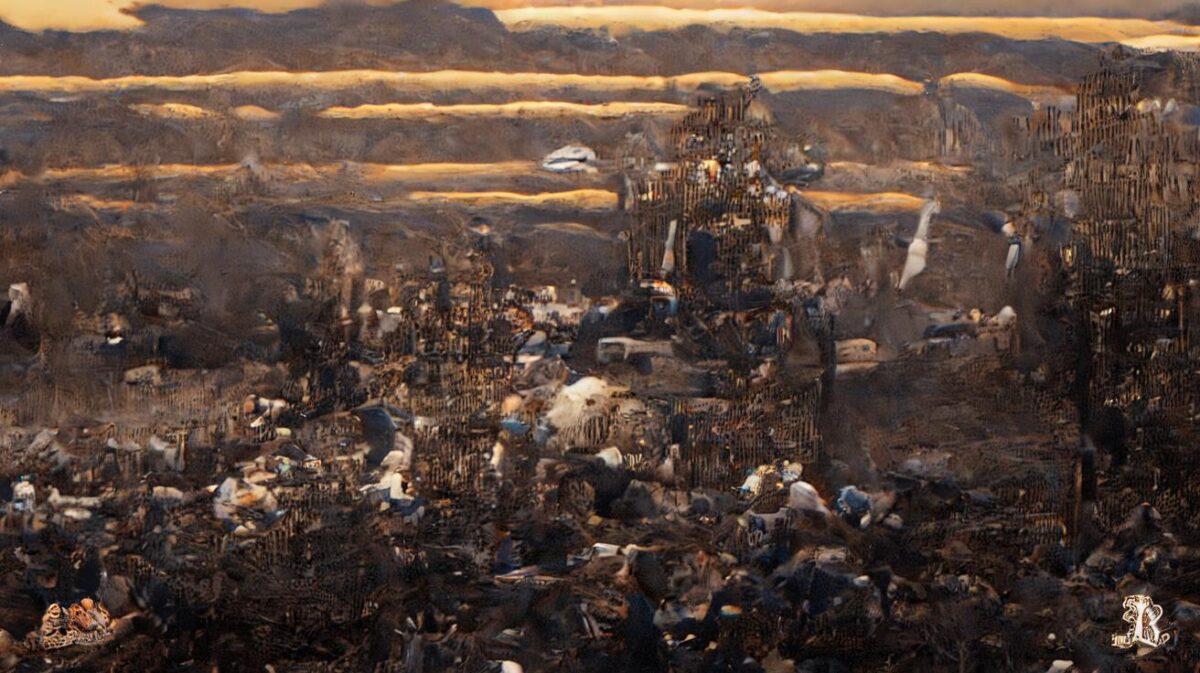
(423, 35)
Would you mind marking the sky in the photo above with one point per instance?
(84, 15)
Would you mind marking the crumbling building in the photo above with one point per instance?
(1128, 186)
(712, 225)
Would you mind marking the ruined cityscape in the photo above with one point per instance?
(778, 374)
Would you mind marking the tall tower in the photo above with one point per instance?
(1132, 263)
(713, 225)
(718, 200)
(1130, 171)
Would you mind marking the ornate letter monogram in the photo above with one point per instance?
(84, 623)
(1142, 615)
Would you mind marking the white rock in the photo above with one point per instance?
(752, 484)
(1013, 258)
(25, 492)
(1006, 316)
(604, 549)
(611, 456)
(77, 513)
(569, 406)
(803, 497)
(914, 264)
(168, 493)
(497, 459)
(18, 294)
(42, 440)
(570, 159)
(396, 487)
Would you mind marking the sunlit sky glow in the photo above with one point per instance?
(84, 15)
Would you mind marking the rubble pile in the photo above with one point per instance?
(735, 465)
